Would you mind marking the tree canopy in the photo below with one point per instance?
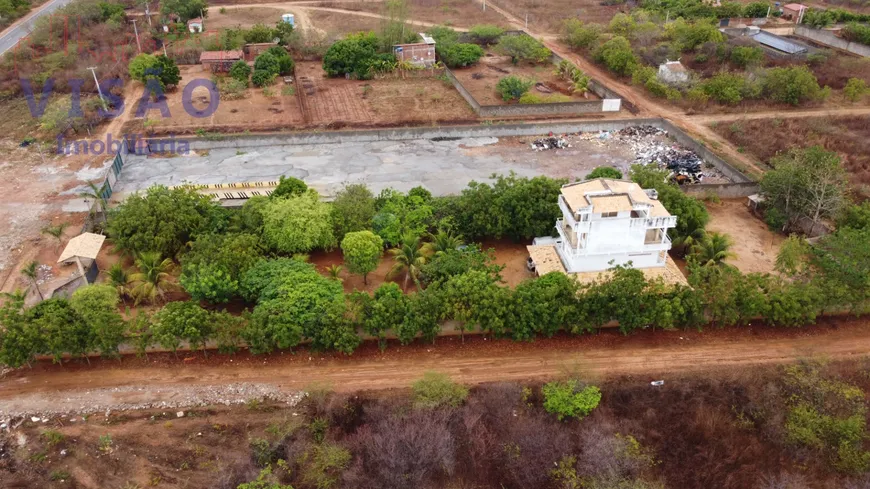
(298, 224)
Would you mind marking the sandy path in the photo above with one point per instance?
(655, 354)
(841, 112)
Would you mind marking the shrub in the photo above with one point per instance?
(232, 88)
(579, 35)
(458, 55)
(792, 85)
(267, 62)
(288, 187)
(533, 98)
(298, 224)
(570, 399)
(436, 390)
(744, 56)
(486, 34)
(240, 71)
(617, 56)
(857, 32)
(523, 48)
(756, 10)
(855, 89)
(605, 172)
(357, 56)
(513, 87)
(726, 88)
(262, 78)
(362, 252)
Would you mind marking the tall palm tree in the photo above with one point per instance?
(93, 193)
(442, 242)
(119, 278)
(409, 257)
(31, 271)
(152, 280)
(56, 232)
(713, 249)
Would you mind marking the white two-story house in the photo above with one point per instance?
(604, 223)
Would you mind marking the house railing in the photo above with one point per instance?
(654, 222)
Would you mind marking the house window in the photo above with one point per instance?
(608, 215)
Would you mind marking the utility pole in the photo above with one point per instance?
(137, 36)
(148, 13)
(164, 49)
(97, 83)
(768, 12)
(484, 5)
(527, 22)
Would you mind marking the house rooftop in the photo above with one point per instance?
(85, 245)
(675, 66)
(610, 195)
(427, 39)
(194, 21)
(794, 6)
(221, 55)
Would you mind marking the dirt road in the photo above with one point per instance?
(654, 354)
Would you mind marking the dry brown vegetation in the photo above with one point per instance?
(549, 15)
(724, 430)
(765, 138)
(458, 13)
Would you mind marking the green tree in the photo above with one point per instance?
(119, 278)
(756, 10)
(744, 56)
(437, 390)
(793, 255)
(267, 62)
(687, 36)
(97, 306)
(259, 33)
(513, 87)
(843, 263)
(285, 62)
(409, 258)
(353, 209)
(261, 281)
(523, 48)
(147, 65)
(356, 55)
(185, 9)
(792, 85)
(182, 321)
(622, 25)
(298, 224)
(240, 71)
(56, 231)
(579, 35)
(227, 331)
(570, 399)
(20, 340)
(713, 249)
(362, 252)
(262, 78)
(443, 241)
(31, 271)
(387, 311)
(485, 33)
(457, 55)
(288, 187)
(617, 56)
(474, 299)
(213, 267)
(399, 214)
(604, 172)
(61, 330)
(726, 88)
(855, 89)
(95, 194)
(424, 316)
(162, 220)
(167, 70)
(139, 65)
(152, 279)
(453, 261)
(544, 306)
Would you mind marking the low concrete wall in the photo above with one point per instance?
(828, 38)
(495, 130)
(462, 91)
(722, 190)
(585, 107)
(708, 156)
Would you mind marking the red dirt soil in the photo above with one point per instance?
(479, 359)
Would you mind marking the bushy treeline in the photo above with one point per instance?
(634, 45)
(819, 18)
(257, 255)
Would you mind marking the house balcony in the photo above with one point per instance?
(654, 222)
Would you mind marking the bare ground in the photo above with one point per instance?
(755, 246)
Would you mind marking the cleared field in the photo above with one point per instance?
(255, 111)
(549, 15)
(764, 138)
(242, 17)
(755, 245)
(481, 79)
(458, 13)
(386, 101)
(336, 25)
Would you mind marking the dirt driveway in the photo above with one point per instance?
(652, 354)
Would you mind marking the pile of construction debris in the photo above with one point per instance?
(551, 142)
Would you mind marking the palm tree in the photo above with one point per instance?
(442, 242)
(713, 249)
(409, 257)
(93, 193)
(31, 271)
(334, 272)
(119, 278)
(56, 231)
(152, 280)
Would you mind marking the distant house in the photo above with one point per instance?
(673, 72)
(418, 54)
(220, 61)
(194, 25)
(606, 222)
(794, 11)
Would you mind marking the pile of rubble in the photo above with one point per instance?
(551, 142)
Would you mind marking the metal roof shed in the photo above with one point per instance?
(779, 43)
(84, 246)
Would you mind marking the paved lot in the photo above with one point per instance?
(11, 36)
(443, 167)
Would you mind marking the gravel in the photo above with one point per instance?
(84, 402)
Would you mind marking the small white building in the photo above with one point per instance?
(605, 223)
(289, 18)
(673, 72)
